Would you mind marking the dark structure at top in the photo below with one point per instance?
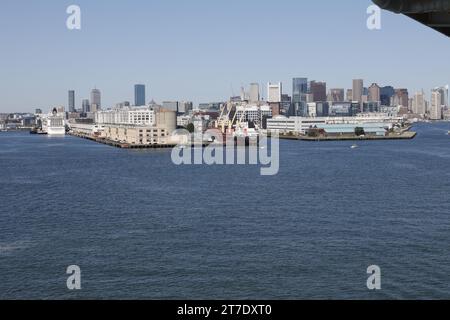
(433, 13)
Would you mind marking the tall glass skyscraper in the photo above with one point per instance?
(139, 95)
(299, 89)
(299, 92)
(71, 101)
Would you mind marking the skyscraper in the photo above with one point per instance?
(401, 98)
(299, 92)
(274, 92)
(139, 95)
(336, 95)
(374, 93)
(358, 89)
(436, 106)
(254, 92)
(299, 89)
(418, 103)
(71, 101)
(96, 100)
(444, 95)
(349, 96)
(386, 93)
(318, 91)
(86, 106)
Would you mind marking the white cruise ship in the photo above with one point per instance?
(54, 124)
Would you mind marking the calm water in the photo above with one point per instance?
(140, 227)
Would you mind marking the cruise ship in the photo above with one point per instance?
(54, 124)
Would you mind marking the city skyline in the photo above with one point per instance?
(208, 64)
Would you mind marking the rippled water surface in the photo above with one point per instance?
(141, 227)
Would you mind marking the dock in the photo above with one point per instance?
(407, 135)
(121, 145)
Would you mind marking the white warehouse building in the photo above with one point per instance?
(143, 116)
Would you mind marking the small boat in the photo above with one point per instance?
(355, 146)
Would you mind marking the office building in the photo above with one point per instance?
(254, 94)
(274, 92)
(386, 94)
(318, 91)
(374, 93)
(299, 89)
(418, 104)
(358, 90)
(96, 100)
(444, 95)
(86, 106)
(349, 96)
(72, 101)
(336, 95)
(436, 105)
(139, 95)
(400, 98)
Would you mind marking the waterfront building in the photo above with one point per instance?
(139, 95)
(71, 101)
(373, 123)
(253, 113)
(343, 109)
(127, 116)
(160, 133)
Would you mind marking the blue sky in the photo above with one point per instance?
(205, 50)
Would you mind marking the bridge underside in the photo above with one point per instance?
(433, 13)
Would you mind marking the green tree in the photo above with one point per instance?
(190, 127)
(359, 131)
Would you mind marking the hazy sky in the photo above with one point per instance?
(205, 50)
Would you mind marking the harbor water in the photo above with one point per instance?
(141, 227)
